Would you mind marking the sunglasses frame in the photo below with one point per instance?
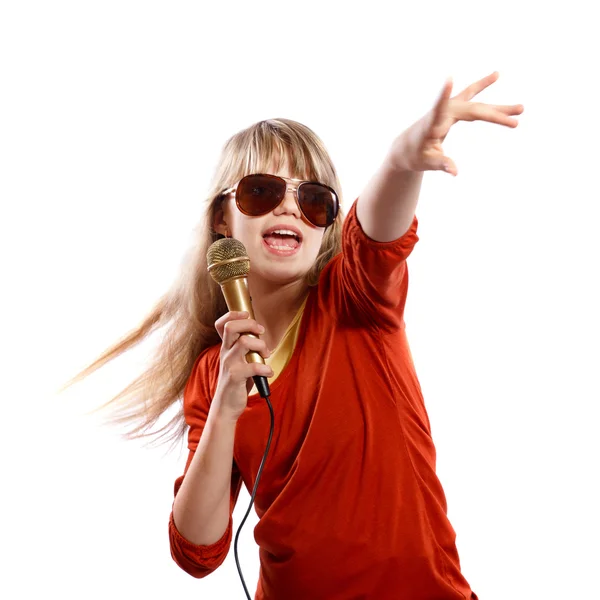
(294, 188)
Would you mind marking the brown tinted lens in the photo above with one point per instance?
(259, 194)
(319, 204)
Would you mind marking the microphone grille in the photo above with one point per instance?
(227, 258)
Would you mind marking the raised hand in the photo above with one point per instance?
(419, 148)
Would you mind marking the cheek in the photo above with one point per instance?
(248, 231)
(314, 242)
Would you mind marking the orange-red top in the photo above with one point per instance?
(349, 502)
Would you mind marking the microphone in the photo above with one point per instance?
(229, 265)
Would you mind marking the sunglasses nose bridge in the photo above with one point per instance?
(290, 188)
(293, 189)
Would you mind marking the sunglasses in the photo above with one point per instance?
(259, 194)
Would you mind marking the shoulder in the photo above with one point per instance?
(366, 284)
(353, 234)
(206, 360)
(202, 378)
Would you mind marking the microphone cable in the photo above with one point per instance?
(260, 469)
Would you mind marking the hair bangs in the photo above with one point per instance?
(186, 313)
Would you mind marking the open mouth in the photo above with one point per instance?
(282, 239)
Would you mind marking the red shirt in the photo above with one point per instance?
(349, 503)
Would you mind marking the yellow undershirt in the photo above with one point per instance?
(281, 355)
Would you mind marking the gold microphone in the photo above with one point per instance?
(229, 265)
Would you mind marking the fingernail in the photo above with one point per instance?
(261, 329)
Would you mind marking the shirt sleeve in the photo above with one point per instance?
(367, 283)
(200, 560)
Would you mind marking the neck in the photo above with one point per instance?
(275, 306)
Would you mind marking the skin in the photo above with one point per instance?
(387, 205)
(385, 208)
(276, 283)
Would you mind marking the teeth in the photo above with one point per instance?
(280, 247)
(286, 232)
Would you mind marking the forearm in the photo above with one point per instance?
(202, 506)
(387, 205)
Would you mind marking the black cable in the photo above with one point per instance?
(262, 464)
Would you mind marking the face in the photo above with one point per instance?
(274, 257)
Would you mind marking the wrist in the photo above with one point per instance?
(404, 154)
(397, 160)
(399, 168)
(221, 413)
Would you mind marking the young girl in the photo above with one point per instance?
(349, 502)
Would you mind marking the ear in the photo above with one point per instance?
(219, 223)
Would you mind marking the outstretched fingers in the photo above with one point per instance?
(475, 88)
(477, 111)
(439, 126)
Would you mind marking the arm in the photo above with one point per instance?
(200, 524)
(201, 510)
(386, 207)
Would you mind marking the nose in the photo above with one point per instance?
(289, 205)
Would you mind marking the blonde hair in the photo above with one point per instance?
(189, 309)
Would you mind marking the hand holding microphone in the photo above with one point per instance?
(241, 352)
(236, 372)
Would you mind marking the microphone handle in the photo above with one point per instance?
(262, 385)
(237, 297)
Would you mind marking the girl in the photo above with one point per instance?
(349, 502)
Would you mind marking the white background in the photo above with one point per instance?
(112, 118)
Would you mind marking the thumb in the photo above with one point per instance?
(447, 164)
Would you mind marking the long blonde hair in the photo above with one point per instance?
(188, 310)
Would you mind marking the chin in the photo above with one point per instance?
(281, 274)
